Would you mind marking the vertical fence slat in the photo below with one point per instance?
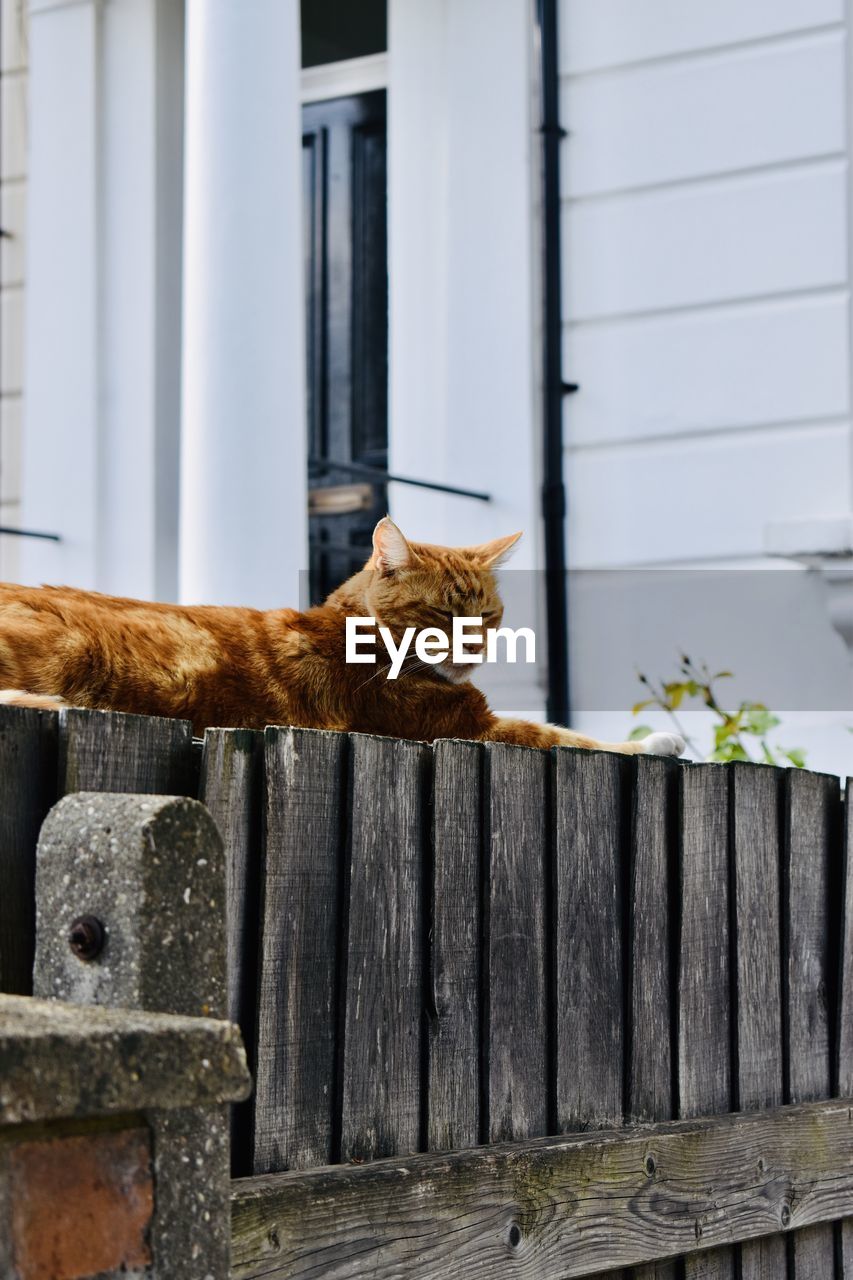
(589, 1013)
(231, 770)
(649, 1090)
(381, 1093)
(811, 801)
(704, 1076)
(845, 1001)
(517, 1035)
(588, 939)
(297, 985)
(27, 790)
(756, 837)
(111, 751)
(455, 1015)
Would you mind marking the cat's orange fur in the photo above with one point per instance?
(244, 667)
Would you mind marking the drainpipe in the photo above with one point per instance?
(553, 488)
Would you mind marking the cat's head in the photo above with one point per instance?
(415, 584)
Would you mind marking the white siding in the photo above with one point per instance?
(705, 256)
(658, 501)
(672, 375)
(706, 241)
(608, 33)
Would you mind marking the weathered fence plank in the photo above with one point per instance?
(812, 802)
(588, 939)
(381, 1093)
(306, 797)
(588, 1013)
(649, 1094)
(230, 777)
(845, 1002)
(517, 1034)
(551, 1209)
(27, 790)
(756, 835)
(454, 988)
(111, 751)
(704, 1076)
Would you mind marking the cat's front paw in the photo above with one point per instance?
(663, 744)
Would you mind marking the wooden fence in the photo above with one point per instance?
(442, 949)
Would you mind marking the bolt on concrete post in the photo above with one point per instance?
(130, 913)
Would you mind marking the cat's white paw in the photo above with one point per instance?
(663, 744)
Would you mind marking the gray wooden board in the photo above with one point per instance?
(845, 1002)
(553, 1208)
(756, 836)
(297, 986)
(27, 790)
(704, 1076)
(231, 772)
(385, 978)
(454, 964)
(649, 1084)
(515, 946)
(812, 802)
(587, 799)
(111, 751)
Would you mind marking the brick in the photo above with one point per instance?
(81, 1205)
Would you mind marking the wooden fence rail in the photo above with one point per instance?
(443, 948)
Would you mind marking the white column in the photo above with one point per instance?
(243, 525)
(465, 400)
(61, 424)
(464, 312)
(103, 294)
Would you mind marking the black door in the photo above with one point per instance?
(346, 295)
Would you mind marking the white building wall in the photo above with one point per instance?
(706, 226)
(13, 214)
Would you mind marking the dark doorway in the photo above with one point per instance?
(346, 296)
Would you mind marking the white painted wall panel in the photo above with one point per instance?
(655, 123)
(708, 242)
(664, 501)
(603, 33)
(727, 367)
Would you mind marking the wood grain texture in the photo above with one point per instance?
(111, 751)
(649, 1093)
(455, 1013)
(230, 778)
(811, 809)
(381, 1091)
(27, 791)
(515, 949)
(550, 1209)
(755, 853)
(704, 1076)
(845, 996)
(294, 1104)
(587, 800)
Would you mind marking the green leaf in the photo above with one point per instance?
(769, 757)
(730, 751)
(723, 675)
(639, 731)
(758, 720)
(796, 755)
(640, 706)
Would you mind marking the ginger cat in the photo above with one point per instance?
(243, 667)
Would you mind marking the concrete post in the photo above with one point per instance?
(130, 912)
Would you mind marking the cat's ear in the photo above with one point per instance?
(391, 551)
(491, 554)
